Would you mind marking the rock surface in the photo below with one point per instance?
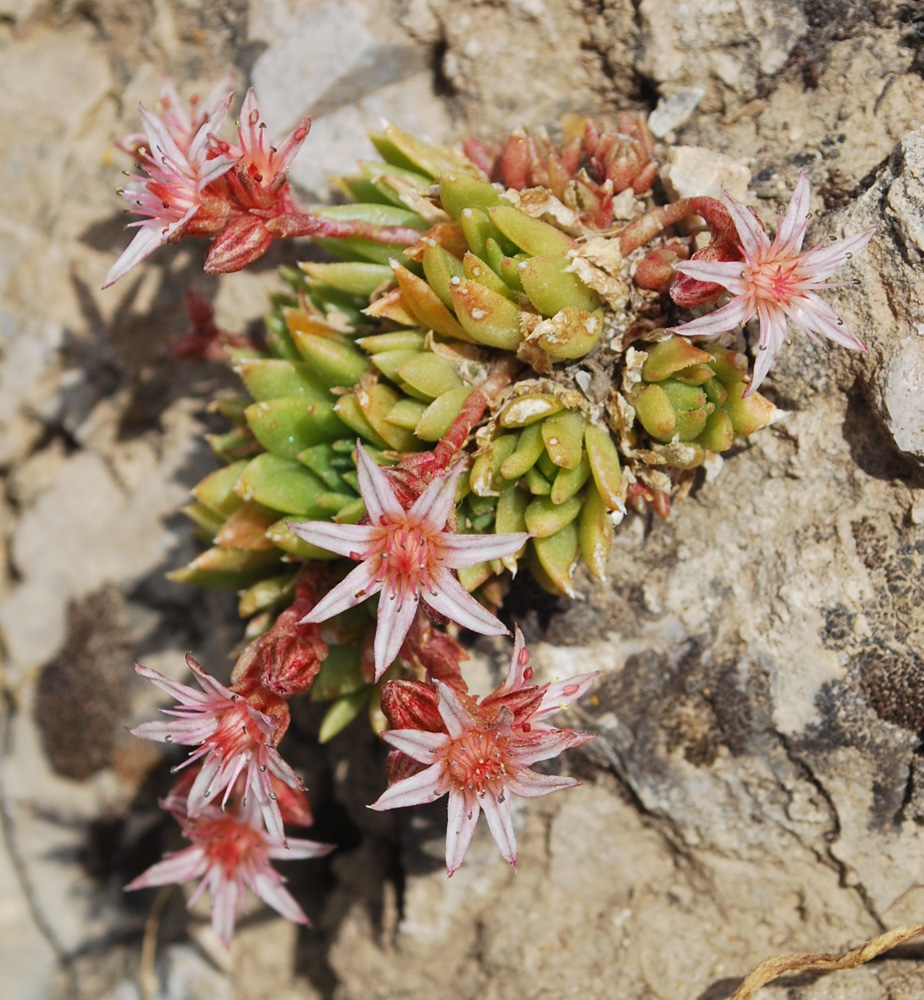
(757, 786)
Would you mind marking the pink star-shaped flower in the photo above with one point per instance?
(171, 192)
(230, 853)
(235, 741)
(406, 555)
(484, 753)
(775, 281)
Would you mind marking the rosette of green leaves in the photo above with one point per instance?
(690, 400)
(552, 471)
(485, 273)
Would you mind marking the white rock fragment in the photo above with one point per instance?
(693, 170)
(673, 111)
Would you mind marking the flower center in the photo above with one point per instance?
(225, 840)
(408, 557)
(476, 761)
(774, 280)
(237, 733)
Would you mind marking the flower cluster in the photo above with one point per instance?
(229, 805)
(192, 183)
(474, 386)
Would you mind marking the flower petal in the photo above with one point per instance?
(469, 550)
(529, 785)
(148, 238)
(396, 615)
(298, 849)
(450, 598)
(815, 316)
(519, 660)
(457, 717)
(460, 827)
(184, 731)
(268, 886)
(497, 813)
(419, 745)
(772, 338)
(727, 273)
(184, 694)
(751, 233)
(823, 260)
(344, 539)
(415, 790)
(179, 867)
(352, 589)
(791, 229)
(376, 488)
(543, 744)
(561, 694)
(732, 316)
(431, 509)
(287, 150)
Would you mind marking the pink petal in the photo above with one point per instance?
(268, 886)
(376, 489)
(351, 590)
(344, 539)
(750, 232)
(460, 827)
(529, 785)
(497, 813)
(543, 745)
(212, 687)
(281, 769)
(732, 316)
(816, 317)
(515, 678)
(287, 150)
(791, 230)
(175, 868)
(457, 718)
(160, 142)
(823, 260)
(415, 790)
(272, 818)
(396, 615)
(185, 732)
(202, 787)
(419, 745)
(561, 694)
(149, 237)
(432, 507)
(450, 598)
(184, 694)
(298, 849)
(772, 338)
(211, 169)
(721, 272)
(469, 550)
(226, 901)
(217, 101)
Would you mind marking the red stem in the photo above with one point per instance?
(305, 224)
(655, 221)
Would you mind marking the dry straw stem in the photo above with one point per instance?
(775, 967)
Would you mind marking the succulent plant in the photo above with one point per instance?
(512, 328)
